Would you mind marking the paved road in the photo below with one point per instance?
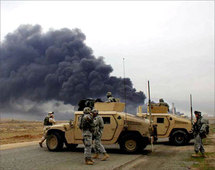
(34, 157)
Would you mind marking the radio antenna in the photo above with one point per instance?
(150, 114)
(125, 122)
(124, 82)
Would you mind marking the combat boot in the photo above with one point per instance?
(88, 161)
(92, 160)
(195, 155)
(106, 156)
(203, 155)
(96, 156)
(41, 144)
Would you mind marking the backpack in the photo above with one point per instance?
(207, 129)
(46, 121)
(205, 123)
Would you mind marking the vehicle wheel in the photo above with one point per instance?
(129, 144)
(71, 147)
(54, 142)
(179, 138)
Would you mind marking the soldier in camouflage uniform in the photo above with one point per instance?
(87, 127)
(99, 126)
(48, 121)
(110, 97)
(199, 133)
(162, 103)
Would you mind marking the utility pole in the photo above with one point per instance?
(191, 108)
(173, 109)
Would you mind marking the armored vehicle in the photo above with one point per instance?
(176, 128)
(129, 131)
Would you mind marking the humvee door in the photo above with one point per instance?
(109, 130)
(162, 123)
(110, 127)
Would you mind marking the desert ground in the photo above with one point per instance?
(16, 131)
(27, 134)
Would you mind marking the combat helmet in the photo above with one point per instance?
(161, 100)
(197, 113)
(109, 94)
(50, 113)
(87, 110)
(95, 111)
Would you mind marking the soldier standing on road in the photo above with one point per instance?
(99, 126)
(48, 121)
(87, 127)
(199, 130)
(110, 97)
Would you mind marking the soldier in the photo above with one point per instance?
(99, 126)
(87, 127)
(48, 121)
(110, 97)
(199, 132)
(161, 102)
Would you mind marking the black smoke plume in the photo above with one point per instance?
(56, 65)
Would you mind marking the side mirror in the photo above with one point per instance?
(71, 122)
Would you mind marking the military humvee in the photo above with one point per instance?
(176, 128)
(129, 131)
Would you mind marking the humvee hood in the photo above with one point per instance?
(59, 126)
(137, 120)
(181, 120)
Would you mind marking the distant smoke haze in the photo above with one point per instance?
(56, 66)
(29, 110)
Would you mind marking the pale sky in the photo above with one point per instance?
(170, 43)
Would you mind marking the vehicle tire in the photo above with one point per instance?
(54, 142)
(179, 138)
(129, 144)
(71, 147)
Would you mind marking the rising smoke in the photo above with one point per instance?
(56, 65)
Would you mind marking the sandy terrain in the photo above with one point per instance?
(16, 131)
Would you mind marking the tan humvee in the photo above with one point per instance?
(176, 128)
(129, 131)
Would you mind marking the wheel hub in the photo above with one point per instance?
(179, 138)
(53, 142)
(130, 145)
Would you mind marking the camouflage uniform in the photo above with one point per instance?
(87, 134)
(198, 132)
(97, 134)
(162, 103)
(48, 121)
(99, 126)
(110, 97)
